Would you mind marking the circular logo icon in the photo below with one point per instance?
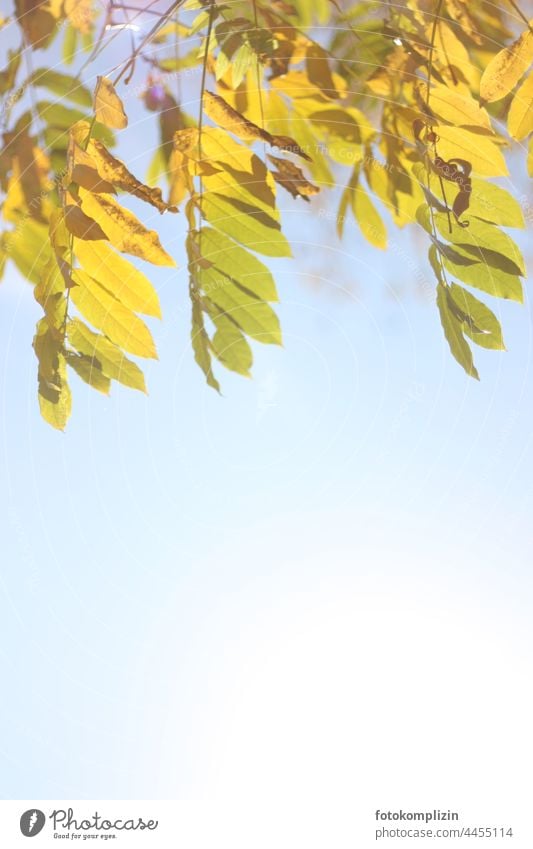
(32, 822)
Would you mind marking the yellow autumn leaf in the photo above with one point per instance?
(369, 220)
(108, 106)
(107, 314)
(520, 119)
(15, 200)
(179, 177)
(456, 108)
(484, 155)
(507, 68)
(118, 276)
(296, 84)
(123, 229)
(230, 169)
(80, 14)
(448, 48)
(458, 11)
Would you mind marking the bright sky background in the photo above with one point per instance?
(317, 585)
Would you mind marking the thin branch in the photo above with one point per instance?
(212, 12)
(130, 64)
(520, 14)
(258, 74)
(428, 166)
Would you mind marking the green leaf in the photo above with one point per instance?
(492, 203)
(479, 323)
(453, 330)
(230, 347)
(489, 278)
(241, 62)
(104, 355)
(201, 344)
(226, 53)
(256, 318)
(29, 248)
(63, 85)
(237, 264)
(90, 371)
(57, 115)
(247, 224)
(481, 239)
(107, 314)
(69, 44)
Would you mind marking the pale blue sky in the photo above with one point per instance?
(154, 552)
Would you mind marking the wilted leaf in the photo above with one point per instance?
(110, 169)
(292, 178)
(229, 119)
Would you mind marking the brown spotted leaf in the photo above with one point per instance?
(507, 68)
